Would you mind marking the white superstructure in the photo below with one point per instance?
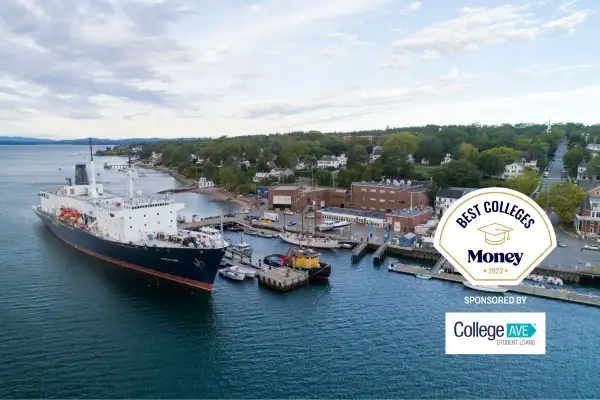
(136, 218)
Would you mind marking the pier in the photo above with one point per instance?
(380, 253)
(572, 275)
(552, 294)
(282, 279)
(359, 251)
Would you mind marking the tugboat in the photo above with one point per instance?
(308, 260)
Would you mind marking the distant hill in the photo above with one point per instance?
(18, 140)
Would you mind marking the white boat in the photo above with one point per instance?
(330, 225)
(248, 272)
(244, 211)
(264, 235)
(236, 276)
(346, 246)
(309, 241)
(242, 248)
(489, 289)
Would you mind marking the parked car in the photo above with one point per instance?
(289, 213)
(591, 247)
(310, 216)
(291, 223)
(561, 244)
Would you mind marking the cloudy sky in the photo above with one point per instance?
(174, 68)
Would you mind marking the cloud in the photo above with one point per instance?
(536, 69)
(360, 98)
(411, 7)
(475, 28)
(74, 50)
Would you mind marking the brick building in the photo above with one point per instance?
(587, 219)
(296, 198)
(388, 196)
(403, 221)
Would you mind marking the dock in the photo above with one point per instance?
(552, 294)
(359, 251)
(380, 254)
(283, 279)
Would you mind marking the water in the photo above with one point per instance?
(72, 326)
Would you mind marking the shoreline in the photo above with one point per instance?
(214, 194)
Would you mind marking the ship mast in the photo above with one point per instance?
(93, 190)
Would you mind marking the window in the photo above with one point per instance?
(373, 190)
(382, 200)
(392, 192)
(382, 191)
(372, 199)
(363, 190)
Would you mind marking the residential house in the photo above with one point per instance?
(410, 159)
(582, 173)
(512, 170)
(193, 158)
(281, 173)
(259, 176)
(446, 159)
(424, 161)
(302, 166)
(587, 218)
(331, 161)
(155, 158)
(375, 154)
(205, 183)
(243, 163)
(448, 196)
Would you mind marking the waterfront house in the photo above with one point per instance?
(205, 183)
(331, 161)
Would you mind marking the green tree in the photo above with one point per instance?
(357, 155)
(593, 169)
(506, 154)
(563, 198)
(465, 151)
(323, 177)
(525, 183)
(573, 158)
(431, 149)
(457, 173)
(395, 151)
(490, 164)
(231, 176)
(209, 169)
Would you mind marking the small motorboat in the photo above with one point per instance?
(346, 246)
(423, 276)
(251, 232)
(242, 248)
(236, 276)
(248, 272)
(264, 235)
(489, 289)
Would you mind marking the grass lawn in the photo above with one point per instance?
(426, 170)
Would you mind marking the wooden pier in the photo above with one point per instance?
(552, 294)
(282, 279)
(416, 253)
(571, 275)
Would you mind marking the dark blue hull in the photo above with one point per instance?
(190, 266)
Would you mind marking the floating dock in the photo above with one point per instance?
(282, 279)
(528, 290)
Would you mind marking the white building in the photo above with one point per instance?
(155, 158)
(410, 159)
(446, 197)
(512, 170)
(447, 159)
(332, 162)
(301, 166)
(259, 176)
(204, 183)
(375, 154)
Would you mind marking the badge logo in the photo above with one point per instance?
(495, 236)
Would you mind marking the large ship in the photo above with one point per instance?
(135, 231)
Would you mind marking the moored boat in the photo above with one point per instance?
(264, 235)
(236, 276)
(242, 248)
(309, 241)
(135, 231)
(308, 260)
(489, 289)
(248, 272)
(423, 276)
(275, 260)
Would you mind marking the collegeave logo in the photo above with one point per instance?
(495, 333)
(495, 236)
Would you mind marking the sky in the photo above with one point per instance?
(197, 68)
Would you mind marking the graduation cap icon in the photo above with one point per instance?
(495, 234)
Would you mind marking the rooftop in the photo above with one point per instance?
(453, 192)
(286, 187)
(356, 213)
(396, 183)
(410, 212)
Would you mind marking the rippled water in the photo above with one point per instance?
(73, 326)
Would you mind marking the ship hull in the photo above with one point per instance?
(189, 266)
(317, 273)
